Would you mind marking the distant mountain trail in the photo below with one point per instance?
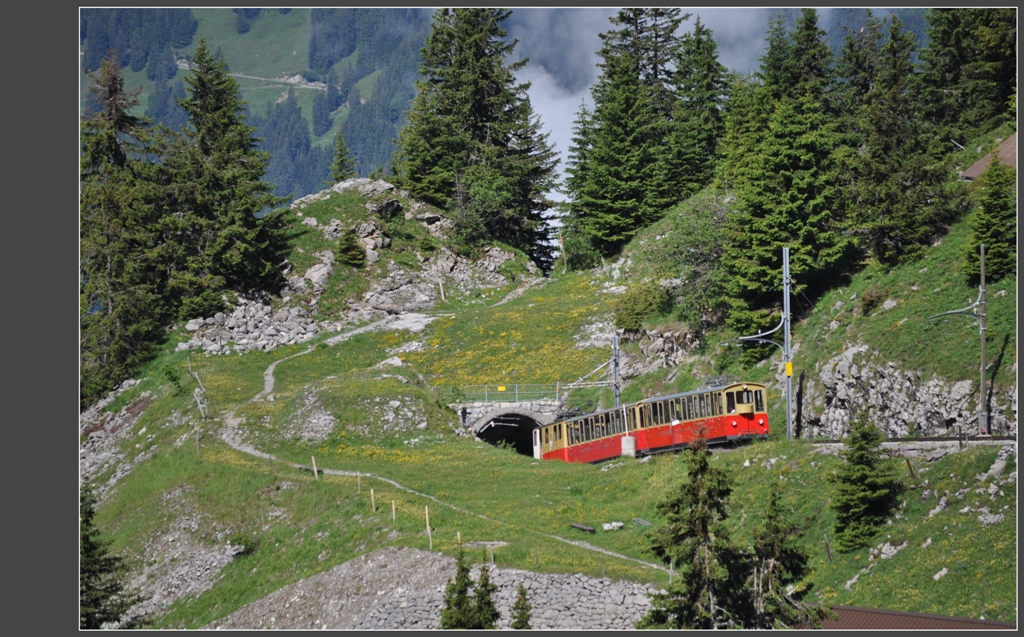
(268, 376)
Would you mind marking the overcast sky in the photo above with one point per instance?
(562, 47)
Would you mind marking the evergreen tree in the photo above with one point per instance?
(343, 167)
(214, 239)
(704, 593)
(994, 224)
(458, 608)
(472, 142)
(485, 611)
(627, 185)
(857, 66)
(583, 128)
(749, 109)
(904, 192)
(791, 198)
(120, 307)
(321, 114)
(102, 595)
(777, 562)
(521, 610)
(778, 70)
(811, 59)
(701, 86)
(865, 488)
(970, 68)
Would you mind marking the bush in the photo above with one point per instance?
(207, 303)
(870, 299)
(638, 303)
(350, 251)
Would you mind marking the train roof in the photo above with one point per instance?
(654, 399)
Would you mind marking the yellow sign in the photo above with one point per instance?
(789, 369)
(501, 388)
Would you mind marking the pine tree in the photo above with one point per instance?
(458, 608)
(103, 597)
(627, 186)
(777, 562)
(778, 70)
(865, 488)
(856, 68)
(485, 611)
(904, 192)
(521, 610)
(811, 59)
(695, 539)
(701, 86)
(994, 224)
(749, 109)
(343, 166)
(321, 114)
(120, 307)
(969, 68)
(472, 142)
(214, 239)
(790, 199)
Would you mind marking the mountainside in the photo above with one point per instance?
(347, 378)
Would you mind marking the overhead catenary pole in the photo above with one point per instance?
(787, 338)
(615, 367)
(977, 310)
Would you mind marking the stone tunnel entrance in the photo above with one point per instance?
(513, 429)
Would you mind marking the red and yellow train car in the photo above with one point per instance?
(724, 413)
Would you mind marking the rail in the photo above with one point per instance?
(517, 392)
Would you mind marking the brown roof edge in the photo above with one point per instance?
(1006, 151)
(855, 617)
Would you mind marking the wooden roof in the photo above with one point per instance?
(1007, 153)
(857, 618)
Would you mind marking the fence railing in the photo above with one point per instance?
(515, 393)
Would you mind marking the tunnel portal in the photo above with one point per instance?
(513, 429)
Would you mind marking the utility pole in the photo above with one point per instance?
(979, 315)
(787, 354)
(615, 367)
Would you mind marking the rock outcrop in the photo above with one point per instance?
(251, 325)
(902, 402)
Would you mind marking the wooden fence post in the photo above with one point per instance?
(828, 548)
(315, 474)
(373, 502)
(430, 538)
(392, 511)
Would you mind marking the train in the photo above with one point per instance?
(724, 412)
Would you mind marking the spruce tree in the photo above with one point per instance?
(791, 198)
(994, 224)
(749, 109)
(103, 598)
(473, 143)
(778, 69)
(485, 611)
(343, 166)
(778, 561)
(701, 86)
(811, 60)
(321, 114)
(695, 539)
(904, 192)
(121, 311)
(521, 610)
(627, 185)
(457, 611)
(214, 239)
(865, 488)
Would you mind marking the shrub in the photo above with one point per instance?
(870, 299)
(638, 303)
(350, 251)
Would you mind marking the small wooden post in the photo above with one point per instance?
(536, 559)
(490, 552)
(828, 548)
(913, 474)
(458, 536)
(373, 502)
(315, 475)
(430, 537)
(392, 511)
(602, 566)
(440, 284)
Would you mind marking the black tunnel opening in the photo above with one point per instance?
(513, 429)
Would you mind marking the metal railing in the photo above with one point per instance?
(518, 392)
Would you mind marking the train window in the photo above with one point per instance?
(545, 435)
(702, 406)
(745, 397)
(716, 403)
(730, 402)
(759, 400)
